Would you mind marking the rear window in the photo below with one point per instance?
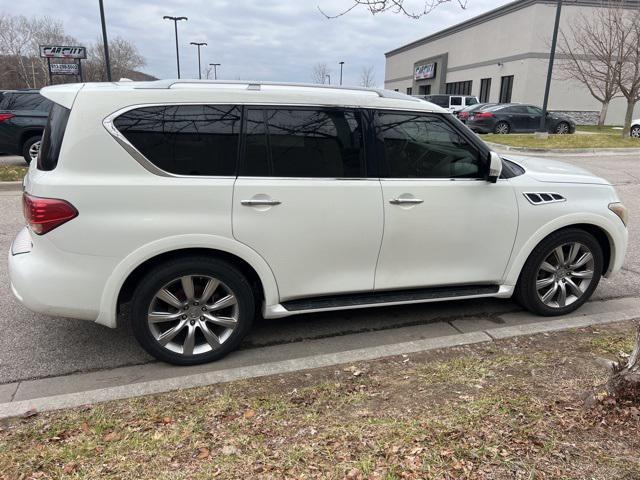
(471, 101)
(440, 100)
(185, 139)
(52, 137)
(24, 101)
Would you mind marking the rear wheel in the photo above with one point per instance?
(192, 310)
(635, 131)
(30, 149)
(502, 128)
(561, 273)
(562, 128)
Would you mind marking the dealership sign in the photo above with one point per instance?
(424, 72)
(65, 69)
(59, 51)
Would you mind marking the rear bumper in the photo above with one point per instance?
(49, 281)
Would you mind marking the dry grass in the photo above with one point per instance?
(10, 173)
(596, 140)
(506, 410)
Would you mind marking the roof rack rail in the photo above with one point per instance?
(257, 85)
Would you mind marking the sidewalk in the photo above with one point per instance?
(86, 388)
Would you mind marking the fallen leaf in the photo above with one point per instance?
(84, 427)
(167, 420)
(203, 453)
(110, 437)
(70, 467)
(249, 414)
(30, 413)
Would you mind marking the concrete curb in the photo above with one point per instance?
(567, 151)
(54, 402)
(10, 186)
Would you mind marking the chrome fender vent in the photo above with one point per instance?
(539, 198)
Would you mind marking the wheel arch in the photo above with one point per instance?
(27, 134)
(128, 272)
(597, 228)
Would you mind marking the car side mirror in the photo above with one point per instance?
(495, 167)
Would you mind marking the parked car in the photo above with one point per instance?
(463, 115)
(635, 128)
(23, 115)
(517, 118)
(453, 103)
(185, 207)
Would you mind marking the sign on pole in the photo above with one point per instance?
(61, 51)
(65, 69)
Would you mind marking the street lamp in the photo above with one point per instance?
(329, 77)
(552, 56)
(215, 69)
(199, 44)
(107, 63)
(175, 24)
(341, 64)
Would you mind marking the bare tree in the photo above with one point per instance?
(624, 382)
(395, 6)
(123, 55)
(593, 55)
(367, 77)
(628, 75)
(320, 73)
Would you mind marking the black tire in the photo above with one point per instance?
(498, 128)
(161, 275)
(26, 146)
(562, 128)
(526, 293)
(635, 131)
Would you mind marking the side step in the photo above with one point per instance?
(391, 296)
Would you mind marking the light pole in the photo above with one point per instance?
(199, 44)
(329, 77)
(341, 64)
(215, 69)
(552, 56)
(107, 63)
(175, 24)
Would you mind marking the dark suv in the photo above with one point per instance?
(23, 115)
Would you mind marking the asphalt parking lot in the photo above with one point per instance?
(36, 346)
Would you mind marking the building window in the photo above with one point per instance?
(396, 90)
(506, 86)
(485, 89)
(424, 89)
(409, 90)
(459, 88)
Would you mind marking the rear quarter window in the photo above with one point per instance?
(52, 137)
(200, 140)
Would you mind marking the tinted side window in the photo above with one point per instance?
(440, 100)
(185, 139)
(25, 101)
(456, 101)
(533, 110)
(52, 137)
(303, 143)
(471, 101)
(425, 146)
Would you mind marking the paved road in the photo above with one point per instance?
(36, 346)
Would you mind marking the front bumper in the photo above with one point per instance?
(48, 280)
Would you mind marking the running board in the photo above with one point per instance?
(355, 300)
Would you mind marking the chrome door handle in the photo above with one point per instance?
(400, 201)
(254, 203)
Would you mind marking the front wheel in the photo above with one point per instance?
(561, 273)
(562, 128)
(192, 310)
(635, 131)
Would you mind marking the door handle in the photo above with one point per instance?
(258, 202)
(400, 201)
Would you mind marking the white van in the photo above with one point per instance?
(187, 208)
(453, 103)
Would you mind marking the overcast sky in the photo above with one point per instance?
(253, 39)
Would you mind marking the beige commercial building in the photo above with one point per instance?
(500, 56)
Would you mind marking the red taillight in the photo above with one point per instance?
(6, 116)
(463, 115)
(483, 115)
(45, 214)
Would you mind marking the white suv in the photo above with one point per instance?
(188, 208)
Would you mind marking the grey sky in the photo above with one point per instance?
(253, 39)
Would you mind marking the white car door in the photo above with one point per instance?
(303, 202)
(444, 224)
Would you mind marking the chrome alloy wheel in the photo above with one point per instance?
(635, 132)
(193, 314)
(562, 128)
(502, 128)
(33, 151)
(565, 275)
